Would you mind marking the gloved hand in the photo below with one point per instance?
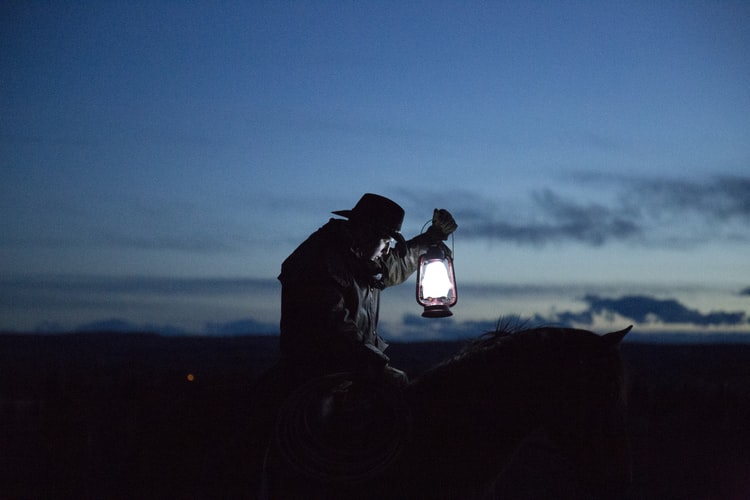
(394, 376)
(442, 226)
(371, 363)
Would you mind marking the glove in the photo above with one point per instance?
(371, 355)
(442, 226)
(369, 362)
(394, 376)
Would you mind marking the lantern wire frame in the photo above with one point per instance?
(424, 226)
(439, 311)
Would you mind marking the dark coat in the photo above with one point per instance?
(330, 301)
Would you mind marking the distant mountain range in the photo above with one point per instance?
(446, 331)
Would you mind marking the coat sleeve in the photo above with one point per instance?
(317, 320)
(346, 341)
(399, 268)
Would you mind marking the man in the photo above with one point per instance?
(330, 295)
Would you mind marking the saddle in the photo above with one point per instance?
(340, 430)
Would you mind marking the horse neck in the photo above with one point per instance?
(492, 400)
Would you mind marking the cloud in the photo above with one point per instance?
(53, 303)
(721, 198)
(196, 242)
(556, 219)
(649, 211)
(118, 325)
(21, 285)
(246, 326)
(644, 309)
(414, 328)
(678, 212)
(100, 220)
(746, 291)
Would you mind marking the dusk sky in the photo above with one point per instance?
(159, 160)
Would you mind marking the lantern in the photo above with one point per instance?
(436, 282)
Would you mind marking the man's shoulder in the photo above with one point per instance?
(323, 255)
(331, 238)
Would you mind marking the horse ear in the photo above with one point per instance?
(613, 339)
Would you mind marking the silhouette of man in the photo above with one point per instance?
(330, 290)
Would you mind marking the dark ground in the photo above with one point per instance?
(114, 415)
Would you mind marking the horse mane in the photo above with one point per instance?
(487, 340)
(514, 343)
(481, 351)
(479, 348)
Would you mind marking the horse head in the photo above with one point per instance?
(481, 406)
(586, 418)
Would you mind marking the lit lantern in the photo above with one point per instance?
(436, 282)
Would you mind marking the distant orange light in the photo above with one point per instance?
(190, 377)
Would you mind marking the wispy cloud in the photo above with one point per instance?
(65, 301)
(554, 218)
(97, 221)
(414, 328)
(148, 285)
(647, 310)
(721, 198)
(119, 325)
(654, 212)
(136, 298)
(248, 326)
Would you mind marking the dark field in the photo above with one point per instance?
(115, 416)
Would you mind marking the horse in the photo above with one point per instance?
(462, 428)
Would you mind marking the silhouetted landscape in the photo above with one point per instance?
(103, 415)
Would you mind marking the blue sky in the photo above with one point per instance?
(160, 159)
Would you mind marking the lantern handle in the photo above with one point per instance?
(453, 241)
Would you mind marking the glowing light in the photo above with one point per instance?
(436, 282)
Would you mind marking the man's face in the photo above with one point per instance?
(378, 248)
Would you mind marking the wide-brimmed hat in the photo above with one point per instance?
(379, 213)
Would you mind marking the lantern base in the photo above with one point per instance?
(436, 312)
